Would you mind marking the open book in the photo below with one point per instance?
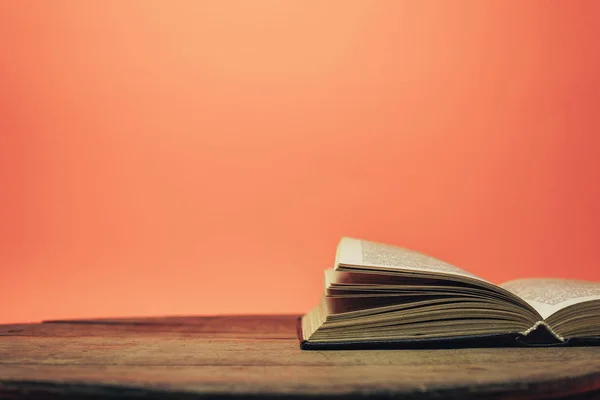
(379, 295)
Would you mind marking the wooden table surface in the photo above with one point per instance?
(222, 357)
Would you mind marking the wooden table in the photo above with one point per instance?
(222, 357)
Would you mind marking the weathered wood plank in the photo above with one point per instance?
(259, 327)
(233, 356)
(443, 381)
(317, 380)
(217, 322)
(180, 351)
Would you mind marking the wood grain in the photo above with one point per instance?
(196, 357)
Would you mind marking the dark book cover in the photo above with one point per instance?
(538, 337)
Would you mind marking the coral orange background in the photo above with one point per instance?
(190, 157)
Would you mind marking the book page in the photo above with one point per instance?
(357, 252)
(549, 295)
